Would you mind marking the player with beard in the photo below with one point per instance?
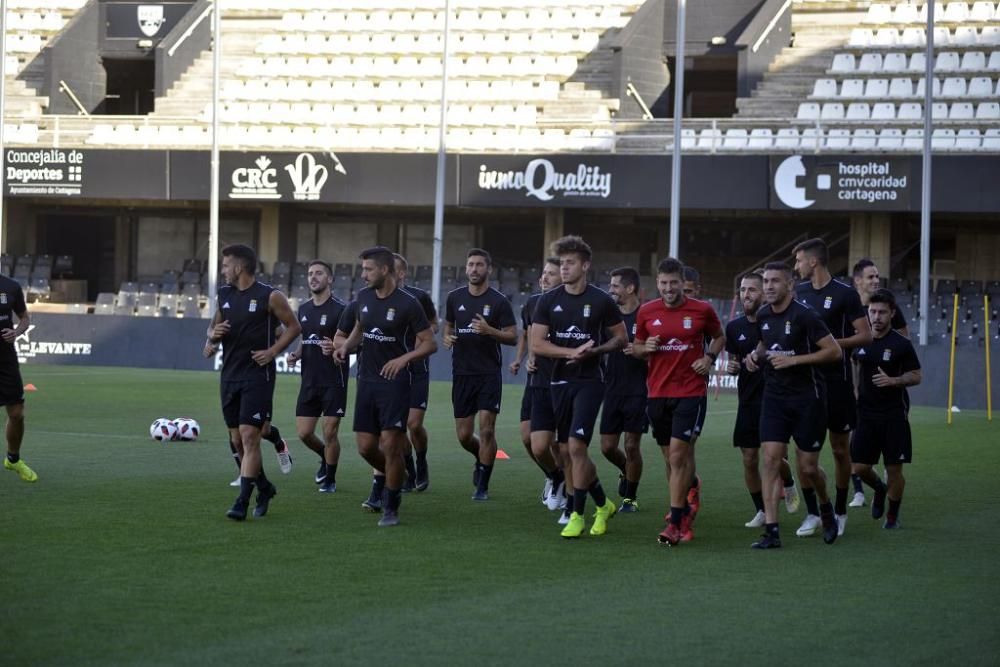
(417, 473)
(671, 333)
(324, 384)
(569, 322)
(537, 419)
(624, 410)
(840, 308)
(12, 306)
(245, 320)
(794, 344)
(887, 366)
(692, 290)
(384, 316)
(742, 337)
(478, 320)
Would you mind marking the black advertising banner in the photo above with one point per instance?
(143, 20)
(565, 181)
(842, 183)
(76, 173)
(312, 177)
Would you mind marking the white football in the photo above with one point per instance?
(187, 428)
(163, 429)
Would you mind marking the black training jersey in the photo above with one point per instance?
(796, 330)
(421, 366)
(474, 354)
(385, 325)
(542, 376)
(251, 328)
(573, 319)
(11, 305)
(895, 355)
(838, 306)
(348, 318)
(319, 322)
(625, 375)
(742, 337)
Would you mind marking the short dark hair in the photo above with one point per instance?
(568, 245)
(553, 260)
(379, 254)
(860, 267)
(779, 266)
(882, 295)
(752, 275)
(245, 254)
(479, 252)
(691, 275)
(628, 275)
(319, 262)
(402, 260)
(815, 247)
(671, 265)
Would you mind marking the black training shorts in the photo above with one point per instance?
(420, 391)
(674, 418)
(473, 393)
(321, 401)
(543, 415)
(576, 406)
(526, 403)
(381, 406)
(885, 436)
(841, 406)
(247, 402)
(703, 410)
(803, 419)
(624, 414)
(746, 431)
(11, 386)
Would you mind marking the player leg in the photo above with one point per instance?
(841, 407)
(15, 435)
(367, 430)
(612, 418)
(236, 447)
(487, 454)
(230, 399)
(753, 481)
(809, 469)
(271, 433)
(678, 455)
(331, 454)
(633, 471)
(305, 427)
(773, 454)
(393, 409)
(897, 483)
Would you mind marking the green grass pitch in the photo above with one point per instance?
(121, 555)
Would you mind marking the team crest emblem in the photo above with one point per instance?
(586, 310)
(322, 321)
(150, 18)
(688, 323)
(887, 355)
(391, 314)
(486, 310)
(253, 306)
(634, 328)
(788, 328)
(827, 302)
(3, 298)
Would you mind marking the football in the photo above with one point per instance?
(187, 428)
(163, 429)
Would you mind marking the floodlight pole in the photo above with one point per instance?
(925, 185)
(675, 171)
(212, 265)
(438, 243)
(3, 97)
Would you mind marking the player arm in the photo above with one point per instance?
(829, 352)
(704, 365)
(23, 322)
(505, 336)
(540, 346)
(425, 346)
(282, 310)
(862, 335)
(617, 341)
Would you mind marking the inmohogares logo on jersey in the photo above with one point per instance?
(573, 333)
(541, 180)
(29, 349)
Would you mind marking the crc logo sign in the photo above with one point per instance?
(840, 183)
(301, 178)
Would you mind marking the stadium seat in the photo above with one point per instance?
(947, 61)
(913, 139)
(943, 139)
(871, 63)
(760, 139)
(884, 111)
(735, 139)
(953, 87)
(900, 88)
(852, 88)
(860, 38)
(812, 138)
(980, 86)
(824, 89)
(885, 38)
(936, 87)
(832, 111)
(990, 36)
(961, 111)
(843, 62)
(988, 111)
(905, 13)
(913, 38)
(973, 61)
(838, 139)
(787, 138)
(890, 139)
(968, 139)
(858, 111)
(965, 36)
(894, 62)
(994, 62)
(709, 139)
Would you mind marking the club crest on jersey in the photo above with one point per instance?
(486, 310)
(688, 322)
(390, 315)
(827, 302)
(322, 320)
(634, 327)
(3, 298)
(253, 306)
(586, 310)
(788, 328)
(887, 355)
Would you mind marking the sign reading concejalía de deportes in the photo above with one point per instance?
(50, 172)
(833, 183)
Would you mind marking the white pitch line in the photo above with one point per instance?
(31, 431)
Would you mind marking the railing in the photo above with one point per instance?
(68, 92)
(631, 91)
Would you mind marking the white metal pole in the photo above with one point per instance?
(675, 172)
(438, 244)
(925, 192)
(3, 95)
(212, 265)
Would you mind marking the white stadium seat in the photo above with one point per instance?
(962, 111)
(858, 111)
(864, 139)
(832, 111)
(843, 62)
(860, 38)
(936, 90)
(735, 139)
(872, 62)
(956, 12)
(965, 36)
(824, 89)
(910, 111)
(913, 140)
(852, 88)
(968, 139)
(991, 140)
(878, 13)
(885, 38)
(901, 88)
(884, 111)
(994, 63)
(812, 138)
(939, 111)
(876, 88)
(906, 13)
(943, 139)
(980, 86)
(973, 61)
(760, 139)
(808, 111)
(913, 38)
(988, 111)
(990, 36)
(890, 139)
(787, 138)
(947, 61)
(953, 87)
(894, 62)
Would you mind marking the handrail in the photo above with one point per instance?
(770, 26)
(66, 90)
(631, 91)
(190, 30)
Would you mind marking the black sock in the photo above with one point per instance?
(856, 481)
(392, 499)
(894, 507)
(809, 495)
(411, 468)
(631, 489)
(246, 489)
(378, 485)
(331, 473)
(676, 514)
(273, 436)
(262, 481)
(485, 472)
(421, 456)
(579, 501)
(236, 455)
(13, 458)
(786, 478)
(826, 509)
(841, 504)
(758, 501)
(597, 493)
(771, 529)
(878, 486)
